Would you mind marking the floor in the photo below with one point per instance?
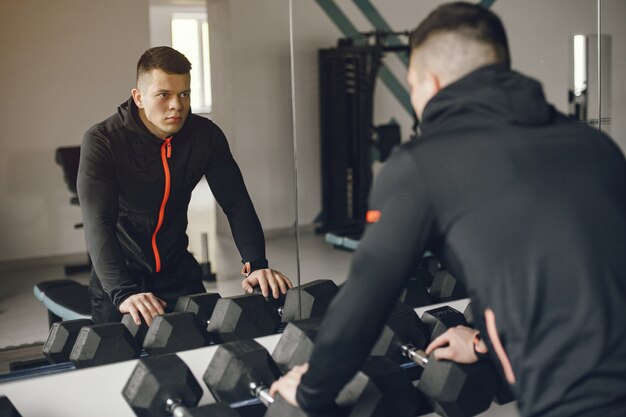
(24, 320)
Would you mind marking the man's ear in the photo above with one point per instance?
(434, 83)
(137, 97)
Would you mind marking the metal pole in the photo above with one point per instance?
(295, 154)
(600, 65)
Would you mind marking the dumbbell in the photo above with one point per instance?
(86, 344)
(61, 339)
(315, 297)
(440, 319)
(200, 304)
(101, 344)
(445, 287)
(164, 386)
(250, 316)
(398, 398)
(453, 389)
(183, 329)
(415, 292)
(243, 369)
(7, 409)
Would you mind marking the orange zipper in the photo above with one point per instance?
(166, 153)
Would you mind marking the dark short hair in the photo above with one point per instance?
(164, 58)
(471, 20)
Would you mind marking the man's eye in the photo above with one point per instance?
(183, 95)
(163, 95)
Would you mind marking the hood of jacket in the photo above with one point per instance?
(492, 93)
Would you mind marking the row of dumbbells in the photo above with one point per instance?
(431, 284)
(206, 318)
(398, 379)
(198, 320)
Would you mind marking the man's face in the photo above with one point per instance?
(163, 101)
(421, 85)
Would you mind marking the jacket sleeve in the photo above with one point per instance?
(387, 254)
(226, 182)
(98, 198)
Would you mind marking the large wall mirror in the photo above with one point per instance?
(347, 119)
(69, 65)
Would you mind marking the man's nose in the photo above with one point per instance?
(175, 103)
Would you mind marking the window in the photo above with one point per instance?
(186, 29)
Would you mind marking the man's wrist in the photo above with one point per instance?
(258, 264)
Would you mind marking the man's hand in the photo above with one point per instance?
(287, 385)
(268, 279)
(457, 344)
(145, 304)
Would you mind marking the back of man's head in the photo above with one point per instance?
(163, 58)
(457, 38)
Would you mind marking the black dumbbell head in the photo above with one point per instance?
(235, 366)
(316, 297)
(7, 409)
(446, 287)
(403, 327)
(242, 317)
(155, 380)
(415, 293)
(174, 332)
(380, 389)
(281, 408)
(438, 320)
(202, 305)
(101, 344)
(61, 339)
(137, 332)
(296, 343)
(458, 390)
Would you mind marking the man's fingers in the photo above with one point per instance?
(273, 284)
(286, 280)
(136, 316)
(444, 353)
(275, 387)
(281, 282)
(247, 287)
(440, 341)
(302, 369)
(265, 289)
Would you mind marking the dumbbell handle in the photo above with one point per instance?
(416, 355)
(262, 393)
(176, 408)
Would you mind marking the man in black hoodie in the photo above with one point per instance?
(136, 174)
(525, 206)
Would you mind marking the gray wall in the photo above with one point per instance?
(66, 64)
(539, 36)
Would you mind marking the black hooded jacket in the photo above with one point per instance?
(134, 191)
(528, 208)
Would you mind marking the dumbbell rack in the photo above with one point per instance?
(97, 391)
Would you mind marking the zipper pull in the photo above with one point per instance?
(168, 147)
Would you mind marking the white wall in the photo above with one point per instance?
(252, 100)
(66, 64)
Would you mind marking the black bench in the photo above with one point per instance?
(65, 299)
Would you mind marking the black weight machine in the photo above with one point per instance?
(349, 140)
